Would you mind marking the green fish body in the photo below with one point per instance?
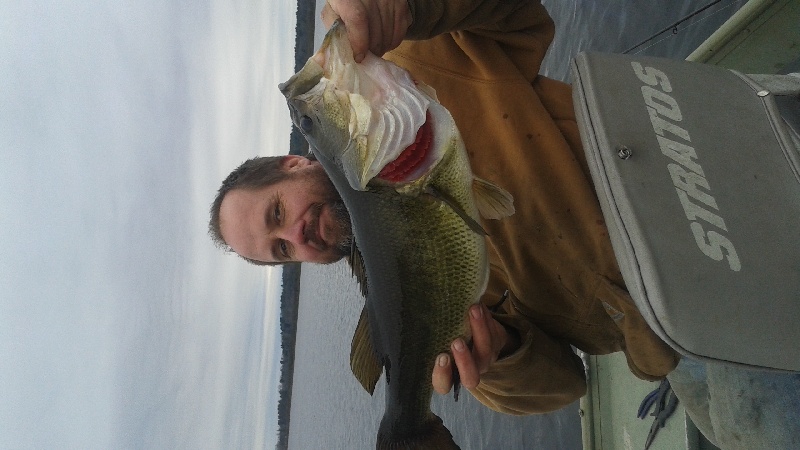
(396, 158)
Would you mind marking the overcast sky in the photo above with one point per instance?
(121, 326)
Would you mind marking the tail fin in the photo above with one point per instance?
(433, 435)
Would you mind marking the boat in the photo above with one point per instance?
(762, 37)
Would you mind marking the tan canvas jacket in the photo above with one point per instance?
(554, 253)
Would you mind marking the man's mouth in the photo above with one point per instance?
(313, 231)
(412, 157)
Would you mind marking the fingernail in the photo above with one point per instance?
(442, 360)
(458, 345)
(476, 312)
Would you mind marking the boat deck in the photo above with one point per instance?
(608, 412)
(762, 37)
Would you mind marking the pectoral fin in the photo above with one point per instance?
(493, 202)
(363, 363)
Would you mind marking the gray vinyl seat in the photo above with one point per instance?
(697, 169)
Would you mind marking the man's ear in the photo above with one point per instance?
(291, 163)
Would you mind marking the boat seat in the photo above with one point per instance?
(697, 169)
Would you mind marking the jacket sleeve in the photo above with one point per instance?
(434, 17)
(521, 30)
(543, 375)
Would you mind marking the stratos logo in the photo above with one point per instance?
(690, 182)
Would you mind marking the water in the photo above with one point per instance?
(618, 26)
(329, 408)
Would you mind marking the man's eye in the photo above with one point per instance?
(284, 249)
(277, 213)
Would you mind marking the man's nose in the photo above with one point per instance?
(292, 232)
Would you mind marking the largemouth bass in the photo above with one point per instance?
(397, 159)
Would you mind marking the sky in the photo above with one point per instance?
(121, 325)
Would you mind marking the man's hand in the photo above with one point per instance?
(490, 339)
(372, 25)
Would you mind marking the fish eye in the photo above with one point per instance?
(306, 124)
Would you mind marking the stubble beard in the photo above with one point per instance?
(341, 227)
(344, 229)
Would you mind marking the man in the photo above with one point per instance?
(553, 255)
(277, 210)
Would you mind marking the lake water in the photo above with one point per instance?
(329, 408)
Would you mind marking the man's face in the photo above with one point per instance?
(301, 218)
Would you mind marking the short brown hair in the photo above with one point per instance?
(254, 173)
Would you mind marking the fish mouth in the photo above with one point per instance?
(411, 161)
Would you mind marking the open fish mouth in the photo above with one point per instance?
(372, 118)
(415, 160)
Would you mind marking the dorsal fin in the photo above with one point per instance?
(472, 223)
(493, 202)
(363, 362)
(358, 269)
